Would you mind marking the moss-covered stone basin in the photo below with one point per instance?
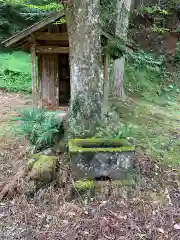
(95, 158)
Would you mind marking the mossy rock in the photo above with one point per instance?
(44, 168)
(31, 163)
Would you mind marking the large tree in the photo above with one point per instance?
(83, 18)
(122, 21)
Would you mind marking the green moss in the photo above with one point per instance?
(35, 156)
(45, 168)
(85, 185)
(84, 145)
(31, 163)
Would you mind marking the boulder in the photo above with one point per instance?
(31, 163)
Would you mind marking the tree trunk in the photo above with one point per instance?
(122, 21)
(85, 63)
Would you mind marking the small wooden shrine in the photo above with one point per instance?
(48, 43)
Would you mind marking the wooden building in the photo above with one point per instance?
(48, 43)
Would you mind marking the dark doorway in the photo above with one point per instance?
(64, 79)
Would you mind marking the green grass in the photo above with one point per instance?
(152, 108)
(15, 61)
(158, 87)
(15, 72)
(156, 128)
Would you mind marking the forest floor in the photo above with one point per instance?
(148, 210)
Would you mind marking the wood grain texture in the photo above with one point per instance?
(34, 77)
(48, 77)
(51, 49)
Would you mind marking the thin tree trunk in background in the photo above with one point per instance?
(85, 63)
(122, 21)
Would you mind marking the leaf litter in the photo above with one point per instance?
(148, 211)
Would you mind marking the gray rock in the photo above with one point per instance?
(94, 165)
(48, 152)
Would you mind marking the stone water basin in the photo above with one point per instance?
(97, 158)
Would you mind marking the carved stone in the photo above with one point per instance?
(96, 158)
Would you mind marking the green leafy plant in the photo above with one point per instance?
(112, 131)
(146, 60)
(152, 10)
(116, 48)
(159, 29)
(40, 127)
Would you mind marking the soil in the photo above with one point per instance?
(148, 210)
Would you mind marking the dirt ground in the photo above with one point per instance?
(148, 210)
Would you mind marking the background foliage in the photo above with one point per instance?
(18, 14)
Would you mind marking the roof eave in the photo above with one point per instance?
(26, 32)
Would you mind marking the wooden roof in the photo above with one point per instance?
(33, 28)
(21, 38)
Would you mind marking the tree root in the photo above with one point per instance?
(10, 187)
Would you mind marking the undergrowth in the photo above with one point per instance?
(146, 77)
(15, 72)
(40, 127)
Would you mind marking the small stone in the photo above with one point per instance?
(48, 152)
(65, 222)
(2, 215)
(2, 154)
(72, 214)
(12, 202)
(177, 226)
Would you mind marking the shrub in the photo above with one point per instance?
(146, 60)
(40, 127)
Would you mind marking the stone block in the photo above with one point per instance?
(97, 158)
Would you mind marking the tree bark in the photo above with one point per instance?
(122, 21)
(86, 104)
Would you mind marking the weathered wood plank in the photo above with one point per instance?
(34, 77)
(49, 79)
(40, 81)
(51, 49)
(51, 36)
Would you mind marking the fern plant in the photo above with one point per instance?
(40, 127)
